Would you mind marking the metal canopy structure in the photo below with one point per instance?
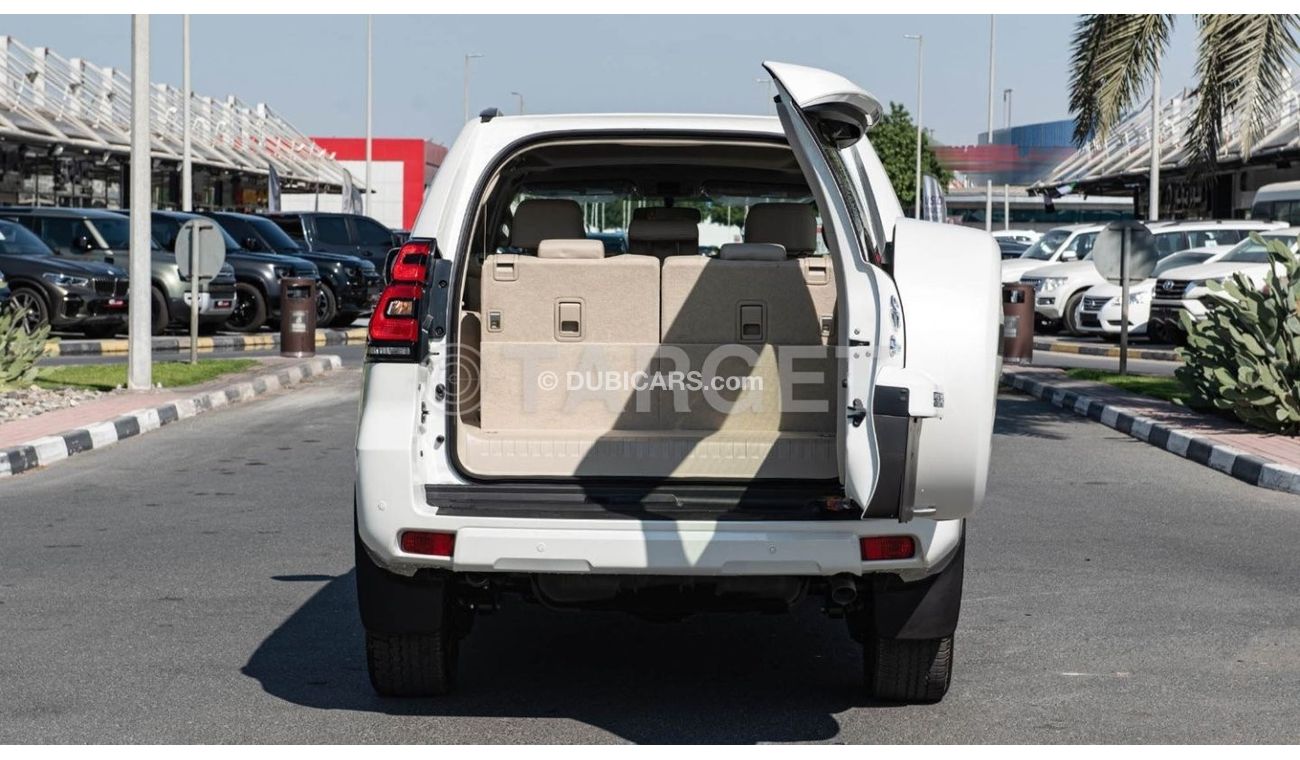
(1122, 159)
(72, 103)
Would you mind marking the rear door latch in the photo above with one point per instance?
(857, 412)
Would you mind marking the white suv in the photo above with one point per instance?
(1060, 244)
(1059, 288)
(662, 431)
(1181, 289)
(1100, 312)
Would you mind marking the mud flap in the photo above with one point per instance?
(392, 603)
(925, 609)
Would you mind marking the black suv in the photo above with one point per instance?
(96, 235)
(350, 285)
(257, 275)
(352, 234)
(82, 296)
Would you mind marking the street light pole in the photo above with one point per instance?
(767, 81)
(920, 46)
(370, 107)
(1153, 207)
(521, 101)
(187, 155)
(988, 190)
(1006, 186)
(140, 340)
(468, 58)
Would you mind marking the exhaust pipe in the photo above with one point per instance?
(844, 590)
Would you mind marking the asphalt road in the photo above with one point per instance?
(195, 584)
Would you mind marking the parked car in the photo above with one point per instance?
(1059, 287)
(88, 297)
(1019, 236)
(479, 474)
(105, 236)
(1100, 310)
(1278, 202)
(1069, 243)
(1181, 289)
(1011, 249)
(350, 285)
(257, 275)
(351, 234)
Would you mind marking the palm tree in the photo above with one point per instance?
(1241, 67)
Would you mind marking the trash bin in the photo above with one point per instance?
(1018, 323)
(297, 317)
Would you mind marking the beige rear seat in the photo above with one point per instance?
(553, 320)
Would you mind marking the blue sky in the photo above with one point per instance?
(311, 69)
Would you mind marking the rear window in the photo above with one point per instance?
(372, 233)
(292, 226)
(332, 230)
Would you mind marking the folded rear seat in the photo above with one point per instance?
(756, 319)
(566, 313)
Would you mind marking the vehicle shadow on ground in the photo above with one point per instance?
(720, 678)
(1028, 417)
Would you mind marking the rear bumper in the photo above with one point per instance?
(723, 547)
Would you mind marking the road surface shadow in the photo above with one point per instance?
(1028, 417)
(721, 678)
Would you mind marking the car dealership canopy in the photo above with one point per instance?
(54, 108)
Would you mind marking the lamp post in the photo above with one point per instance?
(1006, 186)
(370, 108)
(187, 156)
(920, 47)
(140, 339)
(768, 82)
(521, 100)
(1153, 202)
(988, 188)
(468, 57)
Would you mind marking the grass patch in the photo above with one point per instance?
(106, 377)
(1167, 388)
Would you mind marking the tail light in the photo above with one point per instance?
(394, 332)
(876, 548)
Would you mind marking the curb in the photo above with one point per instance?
(1244, 467)
(175, 345)
(52, 448)
(1150, 354)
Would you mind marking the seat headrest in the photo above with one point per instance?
(752, 252)
(539, 219)
(793, 225)
(556, 248)
(667, 214)
(668, 231)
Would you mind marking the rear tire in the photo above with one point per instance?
(1069, 322)
(411, 664)
(159, 315)
(902, 670)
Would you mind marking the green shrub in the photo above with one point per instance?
(1244, 356)
(19, 350)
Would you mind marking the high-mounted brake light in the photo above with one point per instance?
(412, 262)
(876, 548)
(428, 542)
